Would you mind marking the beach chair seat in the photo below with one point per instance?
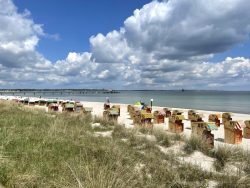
(203, 131)
(106, 106)
(167, 112)
(148, 109)
(69, 107)
(111, 115)
(198, 127)
(175, 124)
(159, 117)
(78, 107)
(208, 138)
(232, 132)
(176, 127)
(117, 108)
(32, 103)
(42, 102)
(53, 107)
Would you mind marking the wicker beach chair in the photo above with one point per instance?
(226, 117)
(203, 131)
(69, 107)
(42, 102)
(111, 115)
(246, 130)
(175, 124)
(118, 108)
(167, 112)
(53, 107)
(78, 107)
(190, 114)
(194, 117)
(214, 118)
(146, 120)
(232, 132)
(159, 116)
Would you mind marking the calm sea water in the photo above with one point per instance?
(231, 101)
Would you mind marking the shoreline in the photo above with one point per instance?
(124, 119)
(217, 102)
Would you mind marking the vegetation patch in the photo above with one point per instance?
(61, 150)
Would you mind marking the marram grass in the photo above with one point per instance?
(39, 149)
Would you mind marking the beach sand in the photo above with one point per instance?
(124, 119)
(197, 158)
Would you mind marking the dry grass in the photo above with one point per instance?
(60, 150)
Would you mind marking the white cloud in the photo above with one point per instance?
(19, 36)
(163, 45)
(169, 41)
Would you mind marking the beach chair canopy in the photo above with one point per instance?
(138, 103)
(247, 123)
(146, 115)
(179, 117)
(69, 105)
(53, 105)
(79, 104)
(51, 101)
(42, 100)
(233, 125)
(160, 112)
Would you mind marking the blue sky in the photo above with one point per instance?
(76, 21)
(125, 44)
(240, 50)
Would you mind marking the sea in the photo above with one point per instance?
(224, 101)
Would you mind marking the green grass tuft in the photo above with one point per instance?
(195, 143)
(39, 149)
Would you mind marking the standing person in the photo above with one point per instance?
(107, 104)
(107, 100)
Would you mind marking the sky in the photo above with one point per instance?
(125, 44)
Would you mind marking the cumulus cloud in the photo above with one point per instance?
(178, 30)
(163, 45)
(19, 36)
(164, 42)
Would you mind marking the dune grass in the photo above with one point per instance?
(39, 149)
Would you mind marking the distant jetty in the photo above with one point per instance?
(57, 91)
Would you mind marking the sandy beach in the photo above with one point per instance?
(197, 158)
(124, 119)
(218, 134)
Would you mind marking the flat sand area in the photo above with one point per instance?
(124, 119)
